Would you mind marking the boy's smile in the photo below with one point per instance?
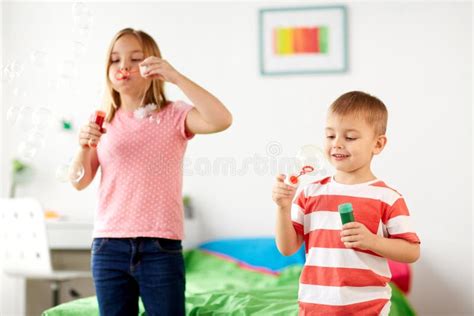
(339, 157)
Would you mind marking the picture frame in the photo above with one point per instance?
(303, 40)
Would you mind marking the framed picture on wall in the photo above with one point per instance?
(303, 40)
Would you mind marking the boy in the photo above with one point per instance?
(346, 270)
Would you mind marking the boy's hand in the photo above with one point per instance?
(356, 235)
(283, 194)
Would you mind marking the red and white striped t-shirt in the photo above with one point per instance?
(337, 280)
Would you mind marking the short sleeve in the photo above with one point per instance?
(297, 213)
(399, 222)
(180, 111)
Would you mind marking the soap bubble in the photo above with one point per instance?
(7, 74)
(38, 58)
(25, 117)
(100, 93)
(68, 69)
(76, 172)
(78, 49)
(12, 70)
(153, 118)
(310, 160)
(42, 118)
(53, 85)
(17, 92)
(83, 21)
(62, 172)
(36, 139)
(312, 156)
(4, 74)
(27, 150)
(70, 172)
(143, 70)
(12, 114)
(82, 17)
(78, 8)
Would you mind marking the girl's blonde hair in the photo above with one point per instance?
(154, 94)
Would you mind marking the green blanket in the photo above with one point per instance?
(215, 286)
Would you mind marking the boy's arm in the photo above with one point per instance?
(356, 235)
(396, 249)
(287, 240)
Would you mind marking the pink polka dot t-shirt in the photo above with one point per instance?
(140, 193)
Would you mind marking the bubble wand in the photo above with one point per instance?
(293, 179)
(123, 74)
(311, 158)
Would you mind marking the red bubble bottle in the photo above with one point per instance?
(99, 118)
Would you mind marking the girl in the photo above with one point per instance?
(139, 223)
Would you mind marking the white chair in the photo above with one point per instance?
(25, 251)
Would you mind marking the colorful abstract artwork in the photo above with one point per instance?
(300, 40)
(303, 40)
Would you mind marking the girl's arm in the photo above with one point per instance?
(356, 235)
(88, 158)
(209, 114)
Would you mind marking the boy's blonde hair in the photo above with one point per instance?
(364, 105)
(154, 94)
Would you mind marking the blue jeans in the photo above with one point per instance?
(126, 268)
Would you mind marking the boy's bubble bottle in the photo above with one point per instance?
(347, 213)
(98, 117)
(311, 159)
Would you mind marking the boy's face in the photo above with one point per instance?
(351, 143)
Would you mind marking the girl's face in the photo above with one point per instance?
(126, 54)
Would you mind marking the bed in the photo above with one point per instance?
(246, 276)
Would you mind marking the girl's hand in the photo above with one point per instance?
(283, 194)
(153, 67)
(90, 135)
(356, 235)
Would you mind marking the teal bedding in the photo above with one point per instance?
(218, 286)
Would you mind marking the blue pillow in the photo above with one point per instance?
(255, 252)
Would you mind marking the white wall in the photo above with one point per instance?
(416, 57)
(472, 156)
(2, 157)
(12, 298)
